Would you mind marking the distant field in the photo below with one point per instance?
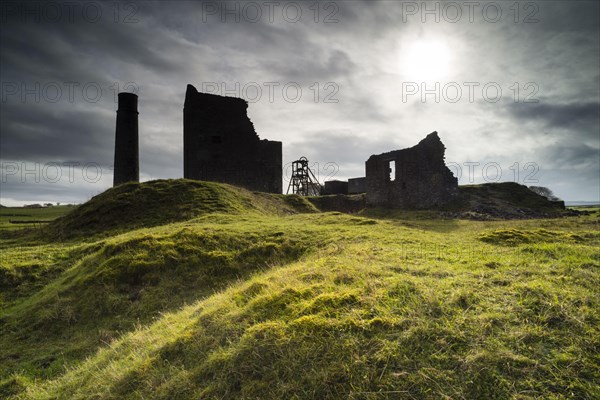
(585, 207)
(30, 214)
(212, 292)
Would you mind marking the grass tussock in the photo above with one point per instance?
(508, 237)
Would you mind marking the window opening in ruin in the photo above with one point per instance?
(392, 170)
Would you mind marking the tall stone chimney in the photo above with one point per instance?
(127, 167)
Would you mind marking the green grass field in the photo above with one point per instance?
(30, 214)
(190, 290)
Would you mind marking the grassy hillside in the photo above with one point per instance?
(135, 205)
(243, 295)
(502, 200)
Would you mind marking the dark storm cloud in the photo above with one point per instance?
(322, 65)
(345, 147)
(55, 44)
(576, 156)
(571, 16)
(582, 117)
(48, 135)
(567, 145)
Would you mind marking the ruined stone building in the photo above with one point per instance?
(335, 187)
(220, 144)
(416, 177)
(357, 185)
(127, 166)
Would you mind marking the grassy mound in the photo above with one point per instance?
(135, 205)
(60, 307)
(506, 200)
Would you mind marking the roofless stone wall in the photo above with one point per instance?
(416, 177)
(220, 144)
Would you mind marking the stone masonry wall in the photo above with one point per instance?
(420, 179)
(220, 144)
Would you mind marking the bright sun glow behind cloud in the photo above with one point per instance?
(425, 60)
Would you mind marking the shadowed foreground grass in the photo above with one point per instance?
(281, 305)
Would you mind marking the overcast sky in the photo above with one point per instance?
(512, 88)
